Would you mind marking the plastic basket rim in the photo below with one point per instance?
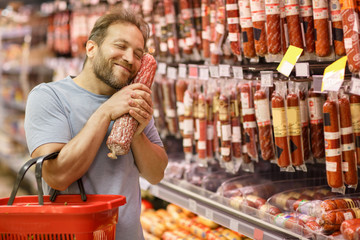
(64, 204)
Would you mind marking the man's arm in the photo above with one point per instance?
(150, 158)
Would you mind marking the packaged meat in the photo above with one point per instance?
(273, 32)
(247, 29)
(355, 118)
(321, 25)
(306, 14)
(292, 12)
(350, 229)
(233, 23)
(205, 22)
(258, 19)
(337, 27)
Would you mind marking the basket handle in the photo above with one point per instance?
(38, 174)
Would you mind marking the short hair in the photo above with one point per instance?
(117, 15)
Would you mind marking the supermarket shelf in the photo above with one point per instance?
(214, 210)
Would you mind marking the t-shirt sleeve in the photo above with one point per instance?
(152, 133)
(45, 119)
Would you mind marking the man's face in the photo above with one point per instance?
(118, 59)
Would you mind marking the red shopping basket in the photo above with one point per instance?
(66, 217)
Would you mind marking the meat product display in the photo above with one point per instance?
(284, 29)
(196, 4)
(306, 13)
(220, 31)
(321, 25)
(355, 118)
(125, 127)
(186, 15)
(188, 135)
(292, 11)
(262, 112)
(205, 21)
(209, 128)
(225, 124)
(247, 29)
(332, 220)
(273, 32)
(332, 144)
(350, 229)
(280, 131)
(249, 121)
(214, 55)
(180, 88)
(350, 22)
(339, 203)
(258, 19)
(347, 142)
(294, 129)
(304, 115)
(202, 125)
(235, 126)
(316, 101)
(170, 17)
(233, 23)
(169, 98)
(337, 27)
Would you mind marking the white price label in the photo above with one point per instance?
(266, 78)
(182, 71)
(333, 80)
(234, 225)
(161, 68)
(192, 205)
(302, 69)
(238, 72)
(224, 70)
(355, 86)
(214, 71)
(171, 73)
(209, 214)
(286, 68)
(204, 72)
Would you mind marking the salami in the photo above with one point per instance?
(316, 102)
(321, 25)
(293, 23)
(332, 144)
(220, 30)
(180, 89)
(283, 26)
(198, 27)
(125, 127)
(273, 34)
(205, 21)
(210, 128)
(349, 165)
(188, 135)
(249, 121)
(332, 220)
(186, 15)
(294, 128)
(214, 55)
(350, 229)
(262, 112)
(247, 29)
(350, 22)
(235, 126)
(355, 118)
(201, 145)
(225, 124)
(233, 23)
(304, 124)
(280, 131)
(306, 13)
(337, 27)
(170, 17)
(258, 19)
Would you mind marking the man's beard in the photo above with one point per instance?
(103, 71)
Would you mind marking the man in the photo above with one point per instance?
(75, 116)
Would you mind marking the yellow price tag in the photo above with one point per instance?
(334, 75)
(289, 60)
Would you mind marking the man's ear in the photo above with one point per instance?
(91, 46)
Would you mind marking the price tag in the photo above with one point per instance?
(289, 60)
(224, 70)
(182, 71)
(238, 72)
(204, 72)
(355, 86)
(171, 73)
(214, 71)
(334, 75)
(209, 214)
(192, 205)
(267, 79)
(302, 69)
(234, 225)
(161, 69)
(193, 71)
(317, 82)
(258, 234)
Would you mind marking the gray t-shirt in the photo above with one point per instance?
(55, 113)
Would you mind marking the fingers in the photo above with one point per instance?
(140, 86)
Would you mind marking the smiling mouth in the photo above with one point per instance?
(127, 69)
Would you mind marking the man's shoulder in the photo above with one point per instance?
(63, 83)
